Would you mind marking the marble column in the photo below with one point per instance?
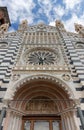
(68, 122)
(81, 116)
(13, 121)
(3, 112)
(6, 120)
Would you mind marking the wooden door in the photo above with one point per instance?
(41, 123)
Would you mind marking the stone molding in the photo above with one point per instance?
(12, 89)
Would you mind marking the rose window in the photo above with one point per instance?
(41, 58)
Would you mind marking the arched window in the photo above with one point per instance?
(3, 45)
(80, 45)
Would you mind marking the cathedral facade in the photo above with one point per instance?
(41, 77)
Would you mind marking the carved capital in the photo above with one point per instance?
(6, 102)
(77, 102)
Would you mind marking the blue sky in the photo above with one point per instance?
(47, 11)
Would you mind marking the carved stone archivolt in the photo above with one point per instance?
(42, 77)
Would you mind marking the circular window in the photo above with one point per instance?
(41, 57)
(80, 45)
(3, 45)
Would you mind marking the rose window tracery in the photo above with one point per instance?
(41, 57)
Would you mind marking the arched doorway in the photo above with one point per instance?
(41, 103)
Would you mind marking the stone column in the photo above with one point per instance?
(75, 120)
(77, 104)
(19, 123)
(10, 123)
(63, 123)
(3, 113)
(13, 121)
(68, 122)
(72, 120)
(6, 120)
(81, 116)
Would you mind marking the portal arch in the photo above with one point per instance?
(42, 95)
(15, 87)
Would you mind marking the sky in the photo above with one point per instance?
(47, 11)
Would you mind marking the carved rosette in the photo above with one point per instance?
(66, 77)
(15, 77)
(3, 45)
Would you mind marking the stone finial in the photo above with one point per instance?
(24, 22)
(79, 28)
(23, 25)
(59, 24)
(4, 28)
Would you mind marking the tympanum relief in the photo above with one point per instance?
(42, 105)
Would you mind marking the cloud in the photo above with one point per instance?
(19, 9)
(70, 4)
(59, 11)
(69, 24)
(52, 23)
(68, 11)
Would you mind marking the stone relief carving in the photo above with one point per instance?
(41, 105)
(66, 77)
